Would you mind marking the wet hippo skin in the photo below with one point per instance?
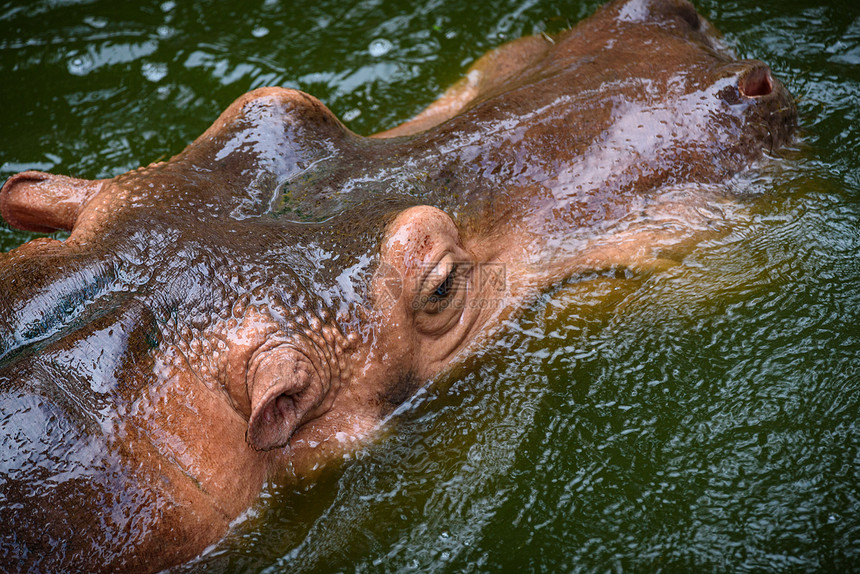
(264, 299)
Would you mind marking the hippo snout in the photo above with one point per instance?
(761, 102)
(776, 105)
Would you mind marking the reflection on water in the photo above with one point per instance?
(704, 416)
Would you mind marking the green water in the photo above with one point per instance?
(700, 419)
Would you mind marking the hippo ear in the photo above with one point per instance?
(282, 391)
(44, 202)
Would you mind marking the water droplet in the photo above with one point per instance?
(351, 114)
(80, 65)
(154, 72)
(260, 31)
(832, 518)
(379, 47)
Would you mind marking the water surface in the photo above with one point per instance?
(703, 418)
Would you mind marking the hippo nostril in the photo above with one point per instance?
(756, 83)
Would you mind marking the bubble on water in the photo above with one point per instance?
(168, 6)
(154, 71)
(379, 47)
(260, 31)
(351, 114)
(164, 31)
(80, 65)
(95, 22)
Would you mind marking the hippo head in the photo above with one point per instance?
(255, 263)
(252, 303)
(275, 290)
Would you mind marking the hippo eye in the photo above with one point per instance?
(444, 288)
(441, 303)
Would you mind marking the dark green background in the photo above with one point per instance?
(702, 419)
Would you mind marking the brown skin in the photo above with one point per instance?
(264, 299)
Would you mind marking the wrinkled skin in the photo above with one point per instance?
(269, 295)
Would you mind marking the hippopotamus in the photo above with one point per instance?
(260, 303)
